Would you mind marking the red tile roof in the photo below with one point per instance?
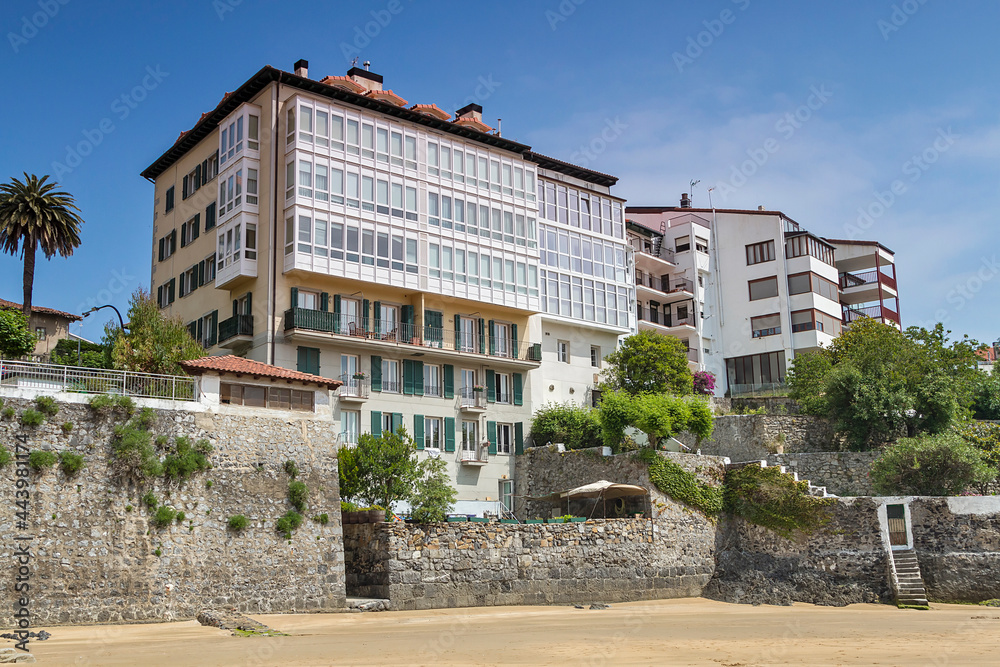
(4, 304)
(388, 96)
(240, 366)
(432, 110)
(468, 121)
(343, 82)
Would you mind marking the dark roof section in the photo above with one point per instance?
(239, 366)
(678, 209)
(854, 242)
(10, 305)
(267, 75)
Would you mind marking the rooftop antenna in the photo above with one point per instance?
(354, 63)
(367, 64)
(693, 183)
(499, 123)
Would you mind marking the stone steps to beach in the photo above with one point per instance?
(815, 491)
(909, 584)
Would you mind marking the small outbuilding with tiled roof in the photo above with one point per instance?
(50, 325)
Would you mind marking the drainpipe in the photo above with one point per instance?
(271, 281)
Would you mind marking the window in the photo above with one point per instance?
(804, 244)
(308, 300)
(562, 350)
(468, 386)
(682, 243)
(169, 206)
(165, 293)
(350, 426)
(432, 380)
(470, 436)
(468, 339)
(810, 320)
(755, 370)
(700, 244)
(760, 252)
(504, 438)
(168, 245)
(277, 398)
(765, 325)
(204, 329)
(432, 433)
(189, 280)
(191, 182)
(40, 333)
(799, 283)
(390, 376)
(502, 387)
(190, 230)
(507, 494)
(210, 168)
(595, 356)
(764, 288)
(210, 216)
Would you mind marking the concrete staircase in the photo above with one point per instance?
(816, 491)
(908, 584)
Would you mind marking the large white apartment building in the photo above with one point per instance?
(749, 289)
(453, 280)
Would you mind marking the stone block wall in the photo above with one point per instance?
(754, 437)
(97, 557)
(474, 564)
(366, 557)
(842, 473)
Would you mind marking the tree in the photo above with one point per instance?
(575, 426)
(433, 496)
(985, 437)
(33, 215)
(986, 403)
(380, 470)
(659, 416)
(648, 362)
(154, 343)
(91, 355)
(930, 465)
(877, 383)
(16, 339)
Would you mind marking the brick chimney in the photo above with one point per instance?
(472, 110)
(685, 201)
(370, 80)
(302, 69)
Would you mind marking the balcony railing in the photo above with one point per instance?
(354, 386)
(440, 338)
(657, 250)
(848, 280)
(237, 325)
(53, 377)
(473, 399)
(477, 456)
(663, 284)
(855, 313)
(692, 354)
(759, 389)
(670, 320)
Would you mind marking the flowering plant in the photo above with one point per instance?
(704, 383)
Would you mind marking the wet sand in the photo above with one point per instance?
(669, 632)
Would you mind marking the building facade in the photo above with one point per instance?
(48, 324)
(750, 289)
(329, 226)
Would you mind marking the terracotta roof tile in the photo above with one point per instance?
(431, 110)
(4, 304)
(240, 366)
(388, 96)
(343, 82)
(473, 123)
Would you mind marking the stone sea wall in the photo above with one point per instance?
(842, 473)
(98, 558)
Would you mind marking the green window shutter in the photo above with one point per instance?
(213, 334)
(449, 381)
(159, 295)
(418, 378)
(324, 302)
(336, 313)
(236, 307)
(295, 297)
(482, 336)
(493, 343)
(376, 373)
(197, 226)
(376, 423)
(249, 306)
(408, 377)
(200, 275)
(418, 430)
(193, 329)
(308, 360)
(513, 340)
(200, 336)
(491, 433)
(518, 389)
(519, 438)
(491, 386)
(408, 331)
(376, 315)
(161, 248)
(365, 305)
(458, 332)
(397, 421)
(449, 434)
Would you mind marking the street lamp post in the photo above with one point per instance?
(121, 322)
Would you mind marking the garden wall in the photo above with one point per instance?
(842, 473)
(94, 548)
(754, 437)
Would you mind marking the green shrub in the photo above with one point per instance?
(101, 403)
(291, 469)
(346, 506)
(682, 485)
(286, 524)
(129, 508)
(322, 519)
(985, 437)
(5, 456)
(7, 413)
(434, 496)
(125, 404)
(203, 446)
(71, 463)
(162, 441)
(149, 500)
(42, 460)
(180, 517)
(67, 427)
(930, 465)
(164, 516)
(184, 461)
(208, 484)
(770, 498)
(158, 552)
(146, 418)
(32, 417)
(132, 453)
(237, 523)
(575, 426)
(47, 406)
(298, 494)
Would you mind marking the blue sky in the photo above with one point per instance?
(832, 104)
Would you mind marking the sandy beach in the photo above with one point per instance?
(674, 632)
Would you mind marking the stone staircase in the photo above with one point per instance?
(907, 582)
(816, 491)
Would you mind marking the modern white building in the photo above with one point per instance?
(451, 278)
(749, 289)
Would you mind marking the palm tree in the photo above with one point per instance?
(33, 214)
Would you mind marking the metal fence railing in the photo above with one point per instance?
(55, 377)
(761, 389)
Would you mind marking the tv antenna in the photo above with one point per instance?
(354, 63)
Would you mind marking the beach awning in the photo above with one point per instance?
(601, 489)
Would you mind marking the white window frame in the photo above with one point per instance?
(505, 438)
